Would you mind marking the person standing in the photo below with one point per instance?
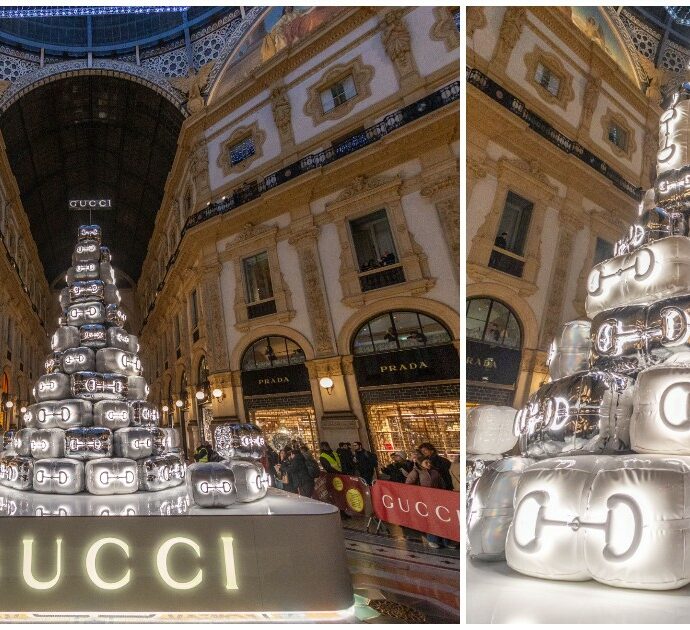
(329, 459)
(300, 481)
(346, 459)
(399, 468)
(365, 462)
(425, 475)
(439, 463)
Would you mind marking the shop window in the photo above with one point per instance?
(550, 81)
(270, 352)
(377, 258)
(258, 286)
(338, 93)
(399, 330)
(492, 322)
(241, 151)
(279, 426)
(508, 251)
(618, 136)
(602, 251)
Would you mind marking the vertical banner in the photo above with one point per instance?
(427, 510)
(349, 494)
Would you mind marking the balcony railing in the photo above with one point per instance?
(507, 262)
(248, 192)
(383, 277)
(259, 309)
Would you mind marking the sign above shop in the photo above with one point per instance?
(277, 380)
(492, 364)
(437, 363)
(90, 204)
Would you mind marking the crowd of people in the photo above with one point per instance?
(388, 258)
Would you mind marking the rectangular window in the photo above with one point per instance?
(618, 136)
(602, 251)
(195, 311)
(241, 151)
(177, 331)
(338, 93)
(373, 241)
(257, 278)
(511, 237)
(547, 79)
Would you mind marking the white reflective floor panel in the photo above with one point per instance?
(172, 502)
(497, 594)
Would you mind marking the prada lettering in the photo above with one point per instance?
(76, 204)
(403, 367)
(274, 380)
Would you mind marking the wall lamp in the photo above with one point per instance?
(326, 382)
(218, 394)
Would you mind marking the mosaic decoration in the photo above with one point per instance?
(91, 428)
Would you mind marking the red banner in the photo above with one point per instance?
(346, 492)
(427, 510)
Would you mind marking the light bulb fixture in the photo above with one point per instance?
(217, 393)
(22, 409)
(200, 395)
(326, 382)
(165, 408)
(179, 404)
(9, 404)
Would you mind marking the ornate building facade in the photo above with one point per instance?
(303, 268)
(562, 111)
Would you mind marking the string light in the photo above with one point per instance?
(50, 12)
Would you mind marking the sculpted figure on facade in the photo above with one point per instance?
(589, 100)
(282, 114)
(514, 21)
(192, 85)
(396, 41)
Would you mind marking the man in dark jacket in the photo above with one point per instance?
(298, 474)
(346, 459)
(439, 463)
(329, 459)
(399, 468)
(366, 463)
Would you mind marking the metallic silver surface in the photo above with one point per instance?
(89, 233)
(588, 412)
(105, 254)
(132, 443)
(17, 472)
(653, 272)
(119, 338)
(73, 412)
(98, 386)
(22, 442)
(115, 316)
(118, 362)
(53, 363)
(83, 291)
(81, 359)
(82, 271)
(211, 485)
(490, 429)
(239, 440)
(86, 251)
(614, 519)
(64, 337)
(86, 313)
(47, 443)
(569, 351)
(107, 274)
(52, 387)
(137, 388)
(158, 473)
(88, 442)
(165, 440)
(58, 476)
(112, 476)
(143, 414)
(92, 336)
(251, 480)
(113, 414)
(490, 507)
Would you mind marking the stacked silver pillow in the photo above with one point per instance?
(239, 478)
(91, 428)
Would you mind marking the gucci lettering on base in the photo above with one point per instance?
(91, 426)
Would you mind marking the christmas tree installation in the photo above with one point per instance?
(601, 489)
(91, 427)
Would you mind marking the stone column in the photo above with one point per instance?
(570, 222)
(214, 320)
(443, 191)
(305, 242)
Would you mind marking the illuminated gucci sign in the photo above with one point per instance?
(85, 204)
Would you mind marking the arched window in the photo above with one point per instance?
(399, 330)
(273, 351)
(183, 384)
(202, 372)
(492, 322)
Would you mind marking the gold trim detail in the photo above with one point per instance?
(252, 131)
(556, 67)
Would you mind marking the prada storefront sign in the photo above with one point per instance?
(492, 364)
(278, 380)
(437, 363)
